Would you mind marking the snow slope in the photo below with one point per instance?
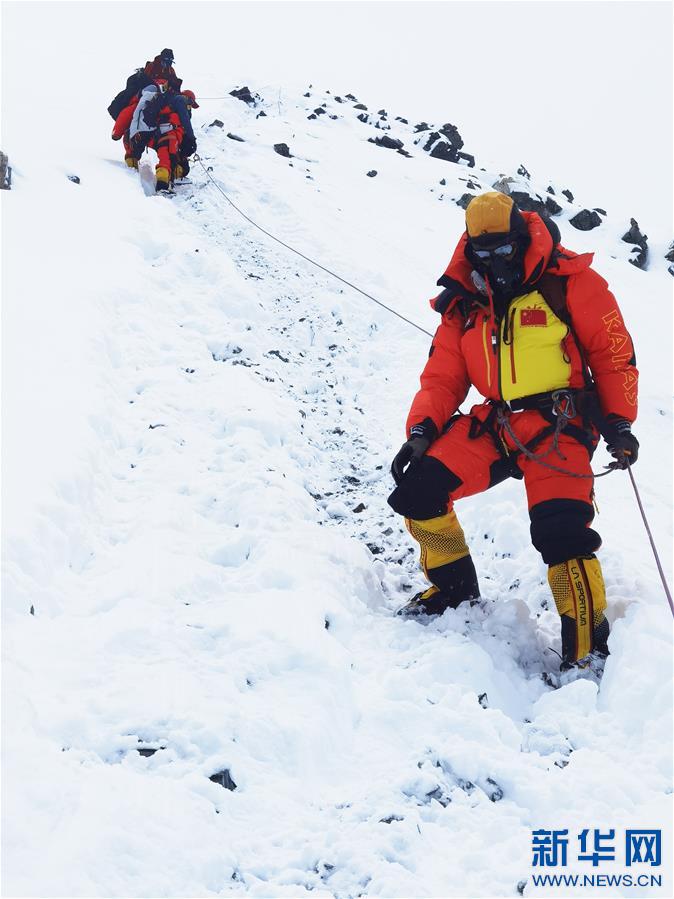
(199, 558)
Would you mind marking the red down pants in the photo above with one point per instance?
(463, 462)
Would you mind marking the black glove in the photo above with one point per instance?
(189, 146)
(412, 451)
(620, 442)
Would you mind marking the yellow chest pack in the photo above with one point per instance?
(532, 354)
(527, 355)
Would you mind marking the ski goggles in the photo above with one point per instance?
(503, 251)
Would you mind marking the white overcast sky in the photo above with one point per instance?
(579, 91)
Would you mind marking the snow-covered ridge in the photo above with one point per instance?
(198, 432)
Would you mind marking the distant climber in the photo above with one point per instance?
(150, 120)
(541, 337)
(162, 67)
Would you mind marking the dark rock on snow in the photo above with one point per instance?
(552, 206)
(360, 106)
(522, 171)
(569, 196)
(235, 137)
(363, 118)
(389, 142)
(224, 778)
(283, 150)
(585, 220)
(216, 123)
(464, 200)
(422, 126)
(244, 94)
(634, 236)
(74, 178)
(600, 210)
(669, 255)
(528, 203)
(372, 173)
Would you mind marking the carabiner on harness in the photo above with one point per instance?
(563, 405)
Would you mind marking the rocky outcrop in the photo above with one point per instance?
(390, 143)
(640, 250)
(244, 94)
(585, 220)
(283, 150)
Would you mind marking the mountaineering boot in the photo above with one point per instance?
(162, 175)
(580, 596)
(131, 161)
(446, 562)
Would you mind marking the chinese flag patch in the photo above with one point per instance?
(533, 318)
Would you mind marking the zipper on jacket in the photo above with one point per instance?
(487, 358)
(513, 373)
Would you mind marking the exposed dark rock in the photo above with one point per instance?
(522, 171)
(216, 123)
(360, 106)
(470, 185)
(551, 190)
(307, 94)
(372, 173)
(443, 182)
(598, 209)
(382, 112)
(363, 117)
(244, 94)
(494, 792)
(312, 116)
(283, 150)
(483, 700)
(405, 153)
(670, 269)
(401, 119)
(351, 97)
(634, 236)
(224, 778)
(464, 200)
(520, 887)
(359, 508)
(319, 110)
(527, 203)
(5, 172)
(422, 126)
(569, 196)
(389, 142)
(334, 116)
(235, 137)
(261, 114)
(585, 220)
(338, 99)
(389, 819)
(552, 206)
(669, 255)
(74, 178)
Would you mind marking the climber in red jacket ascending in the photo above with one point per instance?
(540, 335)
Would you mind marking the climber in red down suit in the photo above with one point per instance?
(540, 335)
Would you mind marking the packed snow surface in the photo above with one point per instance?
(200, 562)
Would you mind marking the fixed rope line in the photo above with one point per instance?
(308, 258)
(652, 541)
